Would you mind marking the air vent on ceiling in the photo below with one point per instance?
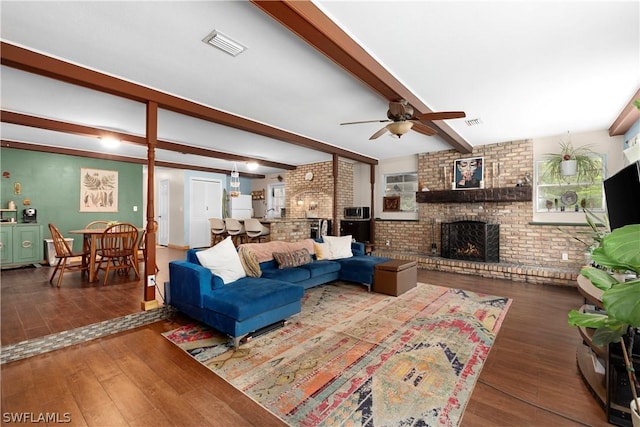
(473, 122)
(224, 43)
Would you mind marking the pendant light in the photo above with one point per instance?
(235, 181)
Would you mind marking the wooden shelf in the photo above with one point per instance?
(595, 381)
(592, 294)
(501, 194)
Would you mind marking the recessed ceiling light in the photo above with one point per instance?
(224, 43)
(109, 141)
(252, 166)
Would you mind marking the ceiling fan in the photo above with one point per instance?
(402, 120)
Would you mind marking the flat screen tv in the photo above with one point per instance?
(622, 193)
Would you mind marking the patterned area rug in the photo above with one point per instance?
(356, 358)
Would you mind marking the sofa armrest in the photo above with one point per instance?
(190, 282)
(357, 248)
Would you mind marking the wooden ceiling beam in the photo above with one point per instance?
(7, 143)
(307, 21)
(627, 117)
(82, 130)
(33, 62)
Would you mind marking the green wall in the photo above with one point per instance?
(52, 183)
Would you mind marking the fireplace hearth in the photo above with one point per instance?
(471, 241)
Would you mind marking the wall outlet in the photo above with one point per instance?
(565, 256)
(135, 209)
(388, 242)
(151, 280)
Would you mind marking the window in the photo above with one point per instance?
(404, 185)
(563, 195)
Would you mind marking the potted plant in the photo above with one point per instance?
(579, 162)
(618, 251)
(591, 238)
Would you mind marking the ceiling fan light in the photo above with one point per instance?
(400, 128)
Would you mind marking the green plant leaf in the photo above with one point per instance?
(622, 302)
(587, 320)
(600, 278)
(607, 335)
(620, 250)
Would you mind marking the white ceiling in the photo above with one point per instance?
(525, 69)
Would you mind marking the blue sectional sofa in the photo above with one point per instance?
(252, 303)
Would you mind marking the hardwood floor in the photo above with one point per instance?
(139, 378)
(32, 307)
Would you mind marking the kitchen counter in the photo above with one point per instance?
(285, 220)
(288, 229)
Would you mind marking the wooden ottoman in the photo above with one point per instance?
(395, 277)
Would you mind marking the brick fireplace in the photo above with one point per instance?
(470, 241)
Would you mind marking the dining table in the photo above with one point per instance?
(90, 238)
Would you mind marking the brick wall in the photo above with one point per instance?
(529, 252)
(302, 195)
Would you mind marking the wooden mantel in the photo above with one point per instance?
(502, 194)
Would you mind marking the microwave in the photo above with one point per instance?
(359, 212)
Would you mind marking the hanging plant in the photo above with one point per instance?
(235, 181)
(578, 164)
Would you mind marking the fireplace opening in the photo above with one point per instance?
(471, 241)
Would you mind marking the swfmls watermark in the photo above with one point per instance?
(36, 417)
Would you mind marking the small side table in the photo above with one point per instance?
(395, 277)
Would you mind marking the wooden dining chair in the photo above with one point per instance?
(141, 253)
(65, 256)
(98, 224)
(86, 242)
(118, 250)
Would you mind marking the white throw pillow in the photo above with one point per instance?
(322, 250)
(223, 260)
(340, 247)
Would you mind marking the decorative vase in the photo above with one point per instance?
(635, 417)
(568, 167)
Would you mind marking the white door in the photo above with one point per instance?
(163, 213)
(205, 201)
(275, 200)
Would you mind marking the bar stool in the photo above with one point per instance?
(256, 232)
(218, 230)
(235, 229)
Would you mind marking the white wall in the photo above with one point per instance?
(361, 184)
(395, 165)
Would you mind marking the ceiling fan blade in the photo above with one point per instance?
(366, 121)
(379, 133)
(423, 129)
(443, 115)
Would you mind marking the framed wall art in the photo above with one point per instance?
(98, 190)
(391, 204)
(468, 173)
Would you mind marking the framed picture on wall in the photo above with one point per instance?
(391, 204)
(98, 190)
(468, 173)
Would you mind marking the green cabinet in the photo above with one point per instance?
(6, 245)
(20, 244)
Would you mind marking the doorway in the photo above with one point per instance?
(205, 201)
(276, 201)
(163, 213)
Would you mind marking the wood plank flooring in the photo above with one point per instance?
(139, 378)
